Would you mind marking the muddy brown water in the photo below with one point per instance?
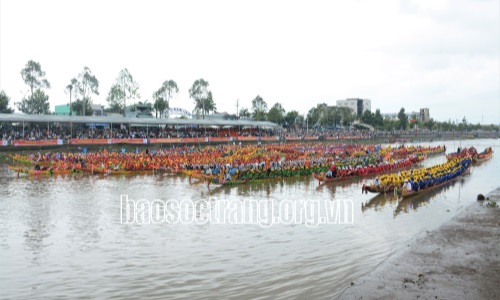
(64, 236)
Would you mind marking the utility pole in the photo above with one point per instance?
(70, 92)
(237, 110)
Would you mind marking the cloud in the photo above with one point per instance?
(436, 54)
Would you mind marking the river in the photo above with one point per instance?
(65, 236)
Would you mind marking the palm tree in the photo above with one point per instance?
(70, 88)
(244, 113)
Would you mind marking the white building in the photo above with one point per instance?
(98, 110)
(356, 104)
(424, 115)
(177, 112)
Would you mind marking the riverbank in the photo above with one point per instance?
(460, 260)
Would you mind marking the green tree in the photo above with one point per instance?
(145, 102)
(413, 121)
(4, 103)
(324, 114)
(334, 115)
(78, 109)
(403, 119)
(368, 117)
(276, 113)
(34, 77)
(71, 90)
(314, 115)
(87, 84)
(347, 115)
(163, 96)
(202, 96)
(430, 124)
(319, 115)
(259, 108)
(378, 120)
(291, 117)
(463, 125)
(115, 98)
(36, 104)
(124, 89)
(390, 124)
(244, 113)
(210, 105)
(300, 121)
(159, 105)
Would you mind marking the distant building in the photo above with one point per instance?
(215, 116)
(221, 116)
(177, 112)
(424, 115)
(113, 114)
(414, 115)
(138, 111)
(62, 110)
(97, 110)
(357, 105)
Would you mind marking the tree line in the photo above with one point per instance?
(125, 91)
(81, 88)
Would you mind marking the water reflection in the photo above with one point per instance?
(342, 190)
(37, 216)
(84, 215)
(413, 203)
(379, 201)
(267, 186)
(405, 205)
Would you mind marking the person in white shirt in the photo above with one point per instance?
(408, 186)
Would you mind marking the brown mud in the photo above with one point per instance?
(459, 260)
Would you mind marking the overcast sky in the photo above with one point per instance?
(439, 54)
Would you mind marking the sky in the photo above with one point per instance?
(438, 54)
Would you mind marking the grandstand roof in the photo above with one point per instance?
(124, 120)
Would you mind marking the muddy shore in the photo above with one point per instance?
(459, 260)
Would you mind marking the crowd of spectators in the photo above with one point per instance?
(80, 131)
(365, 133)
(38, 132)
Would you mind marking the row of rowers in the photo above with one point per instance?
(284, 169)
(262, 163)
(425, 177)
(341, 167)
